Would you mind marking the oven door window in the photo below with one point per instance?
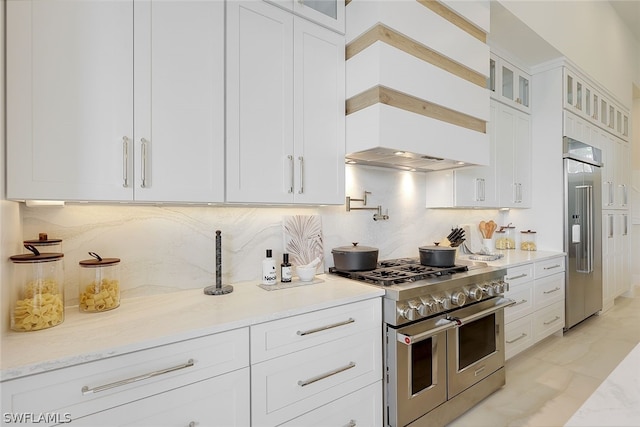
(476, 340)
(423, 365)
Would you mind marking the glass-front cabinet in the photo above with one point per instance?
(328, 13)
(583, 99)
(509, 84)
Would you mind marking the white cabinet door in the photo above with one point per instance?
(80, 72)
(513, 154)
(319, 117)
(285, 82)
(218, 401)
(69, 99)
(179, 101)
(260, 163)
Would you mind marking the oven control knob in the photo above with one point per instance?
(498, 287)
(488, 289)
(474, 293)
(458, 298)
(442, 303)
(408, 313)
(424, 310)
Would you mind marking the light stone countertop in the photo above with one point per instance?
(515, 257)
(149, 321)
(616, 402)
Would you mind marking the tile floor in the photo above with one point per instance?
(549, 382)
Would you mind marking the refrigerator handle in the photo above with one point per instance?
(584, 257)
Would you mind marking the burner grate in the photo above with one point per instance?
(398, 271)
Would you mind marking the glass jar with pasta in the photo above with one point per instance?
(99, 284)
(37, 300)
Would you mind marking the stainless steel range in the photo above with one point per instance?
(444, 346)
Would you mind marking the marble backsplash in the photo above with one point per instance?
(166, 248)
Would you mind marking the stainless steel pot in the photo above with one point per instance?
(355, 258)
(437, 256)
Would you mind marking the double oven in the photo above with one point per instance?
(444, 343)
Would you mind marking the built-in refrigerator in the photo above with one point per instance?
(582, 231)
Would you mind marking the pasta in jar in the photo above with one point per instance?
(99, 284)
(100, 296)
(38, 301)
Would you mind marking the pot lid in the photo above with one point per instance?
(354, 248)
(98, 261)
(35, 256)
(436, 248)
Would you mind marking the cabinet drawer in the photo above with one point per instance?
(291, 385)
(87, 388)
(548, 290)
(218, 401)
(280, 337)
(548, 267)
(361, 408)
(523, 296)
(518, 275)
(548, 320)
(518, 336)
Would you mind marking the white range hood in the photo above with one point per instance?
(416, 95)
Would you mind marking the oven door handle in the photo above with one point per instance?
(500, 304)
(441, 325)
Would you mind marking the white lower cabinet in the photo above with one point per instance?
(134, 388)
(360, 408)
(538, 289)
(518, 336)
(315, 369)
(340, 352)
(218, 401)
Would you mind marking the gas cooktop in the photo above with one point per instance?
(398, 271)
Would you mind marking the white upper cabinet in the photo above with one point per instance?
(115, 101)
(513, 154)
(285, 108)
(583, 99)
(179, 101)
(509, 84)
(69, 100)
(328, 13)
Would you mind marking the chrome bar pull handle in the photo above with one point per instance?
(523, 335)
(98, 389)
(143, 151)
(125, 161)
(551, 267)
(624, 194)
(556, 289)
(553, 320)
(324, 328)
(625, 224)
(304, 383)
(301, 190)
(290, 158)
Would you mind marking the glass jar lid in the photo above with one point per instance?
(528, 232)
(98, 261)
(35, 256)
